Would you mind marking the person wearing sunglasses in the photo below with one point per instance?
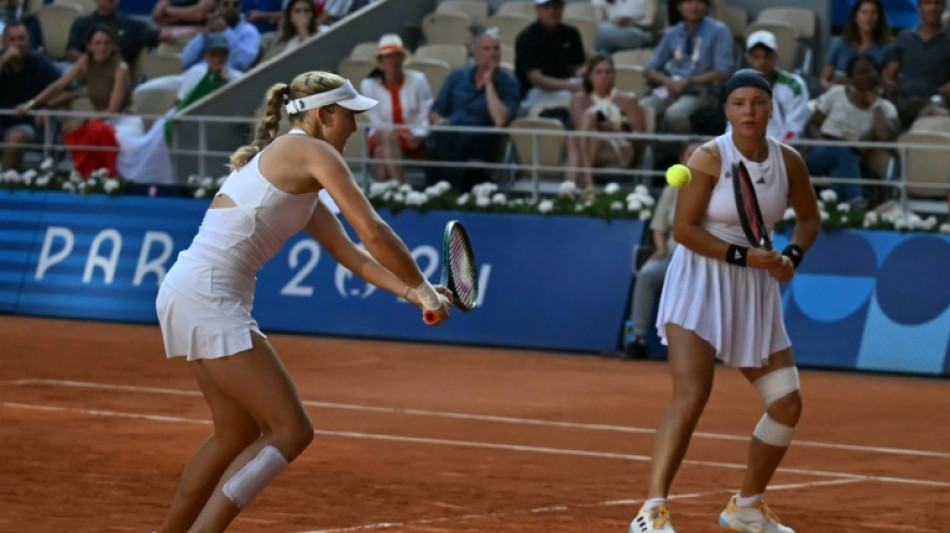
(242, 36)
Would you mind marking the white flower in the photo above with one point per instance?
(567, 188)
(388, 195)
(616, 205)
(101, 172)
(844, 207)
(110, 185)
(642, 190)
(611, 188)
(200, 192)
(29, 175)
(870, 219)
(579, 207)
(463, 199)
(546, 206)
(47, 164)
(69, 186)
(634, 204)
(443, 186)
(945, 228)
(11, 176)
(43, 180)
(405, 188)
(220, 181)
(930, 223)
(901, 224)
(828, 196)
(207, 182)
(377, 188)
(92, 181)
(843, 219)
(789, 214)
(482, 201)
(75, 177)
(416, 198)
(194, 180)
(498, 198)
(824, 215)
(646, 214)
(399, 197)
(484, 190)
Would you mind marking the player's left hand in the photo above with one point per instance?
(784, 272)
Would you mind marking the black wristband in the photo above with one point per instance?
(737, 255)
(794, 253)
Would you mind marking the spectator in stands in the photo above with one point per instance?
(851, 112)
(548, 56)
(692, 60)
(398, 125)
(920, 67)
(299, 24)
(134, 35)
(789, 93)
(23, 74)
(243, 37)
(866, 31)
(716, 10)
(649, 279)
(105, 79)
(264, 14)
(14, 11)
(210, 74)
(185, 17)
(624, 24)
(482, 95)
(601, 107)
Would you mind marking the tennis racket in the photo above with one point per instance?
(747, 203)
(459, 273)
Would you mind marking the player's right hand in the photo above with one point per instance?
(767, 259)
(434, 317)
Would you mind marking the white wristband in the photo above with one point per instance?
(427, 296)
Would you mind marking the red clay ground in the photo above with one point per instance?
(96, 425)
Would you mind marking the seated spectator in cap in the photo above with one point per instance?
(398, 125)
(134, 35)
(789, 93)
(243, 37)
(688, 67)
(548, 56)
(866, 31)
(23, 75)
(623, 24)
(851, 112)
(14, 12)
(919, 70)
(184, 17)
(602, 108)
(211, 73)
(482, 95)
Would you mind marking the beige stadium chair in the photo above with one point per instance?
(55, 21)
(86, 6)
(547, 152)
(805, 23)
(588, 30)
(736, 18)
(509, 26)
(927, 165)
(786, 38)
(171, 47)
(456, 55)
(935, 123)
(633, 58)
(580, 10)
(447, 28)
(518, 8)
(153, 100)
(365, 51)
(632, 78)
(507, 53)
(477, 10)
(355, 70)
(157, 65)
(435, 71)
(353, 150)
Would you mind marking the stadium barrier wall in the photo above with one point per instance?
(866, 300)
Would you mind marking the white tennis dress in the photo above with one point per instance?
(204, 302)
(738, 310)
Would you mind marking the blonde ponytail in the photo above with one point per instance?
(266, 132)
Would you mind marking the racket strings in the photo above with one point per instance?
(463, 270)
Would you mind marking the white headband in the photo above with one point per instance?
(344, 95)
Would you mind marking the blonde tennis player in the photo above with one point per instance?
(204, 302)
(721, 300)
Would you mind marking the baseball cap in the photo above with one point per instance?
(217, 41)
(344, 96)
(761, 38)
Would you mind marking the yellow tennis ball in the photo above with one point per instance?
(678, 176)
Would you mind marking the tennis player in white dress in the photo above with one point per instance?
(204, 303)
(721, 300)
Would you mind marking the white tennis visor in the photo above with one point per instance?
(344, 95)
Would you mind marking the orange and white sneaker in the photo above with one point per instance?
(756, 519)
(653, 518)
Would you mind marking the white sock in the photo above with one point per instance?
(748, 501)
(654, 501)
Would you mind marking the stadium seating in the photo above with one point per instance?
(55, 21)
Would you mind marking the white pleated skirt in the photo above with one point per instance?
(737, 310)
(204, 309)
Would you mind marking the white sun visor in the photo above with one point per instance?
(344, 95)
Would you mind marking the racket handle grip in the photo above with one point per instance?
(430, 317)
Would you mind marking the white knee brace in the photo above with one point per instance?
(771, 387)
(256, 474)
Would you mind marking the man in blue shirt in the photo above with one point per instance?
(243, 37)
(691, 62)
(483, 95)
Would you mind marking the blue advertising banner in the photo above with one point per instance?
(547, 282)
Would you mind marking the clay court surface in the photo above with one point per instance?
(95, 425)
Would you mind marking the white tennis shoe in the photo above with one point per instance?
(757, 519)
(654, 518)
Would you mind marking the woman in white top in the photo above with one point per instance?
(204, 302)
(721, 300)
(601, 108)
(399, 124)
(623, 24)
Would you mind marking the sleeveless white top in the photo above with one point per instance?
(262, 220)
(771, 188)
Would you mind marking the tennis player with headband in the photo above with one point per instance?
(721, 300)
(204, 302)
